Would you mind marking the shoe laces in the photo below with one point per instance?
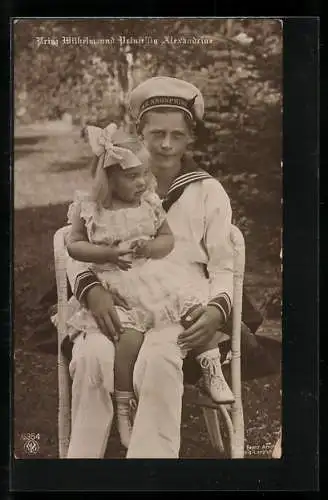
(127, 409)
(133, 404)
(213, 369)
(212, 366)
(228, 358)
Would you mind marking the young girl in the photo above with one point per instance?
(120, 228)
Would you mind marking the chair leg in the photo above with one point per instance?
(236, 433)
(229, 426)
(212, 422)
(277, 452)
(64, 407)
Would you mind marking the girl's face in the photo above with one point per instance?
(166, 136)
(128, 185)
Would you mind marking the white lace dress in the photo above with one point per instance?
(159, 291)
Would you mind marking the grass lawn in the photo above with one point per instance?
(35, 375)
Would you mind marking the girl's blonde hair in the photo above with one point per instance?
(100, 191)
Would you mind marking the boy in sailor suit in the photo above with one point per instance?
(167, 112)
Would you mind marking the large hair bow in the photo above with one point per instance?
(101, 141)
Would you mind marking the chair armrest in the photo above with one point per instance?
(61, 279)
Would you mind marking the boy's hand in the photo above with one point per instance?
(118, 299)
(192, 315)
(205, 322)
(141, 248)
(101, 305)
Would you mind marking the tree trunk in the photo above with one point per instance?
(124, 76)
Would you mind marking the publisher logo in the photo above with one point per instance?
(31, 443)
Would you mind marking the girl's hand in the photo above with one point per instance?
(116, 256)
(141, 248)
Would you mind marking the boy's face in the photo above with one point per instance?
(129, 184)
(166, 136)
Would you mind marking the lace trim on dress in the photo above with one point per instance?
(106, 226)
(82, 206)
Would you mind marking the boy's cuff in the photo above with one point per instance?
(83, 283)
(222, 302)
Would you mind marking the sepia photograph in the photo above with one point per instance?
(147, 245)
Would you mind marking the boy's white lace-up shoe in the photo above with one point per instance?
(214, 382)
(126, 406)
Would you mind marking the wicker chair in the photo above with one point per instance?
(231, 414)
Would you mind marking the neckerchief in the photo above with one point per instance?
(188, 174)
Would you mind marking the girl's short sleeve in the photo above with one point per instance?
(81, 206)
(159, 213)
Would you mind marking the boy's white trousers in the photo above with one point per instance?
(158, 383)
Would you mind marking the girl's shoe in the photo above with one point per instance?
(126, 406)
